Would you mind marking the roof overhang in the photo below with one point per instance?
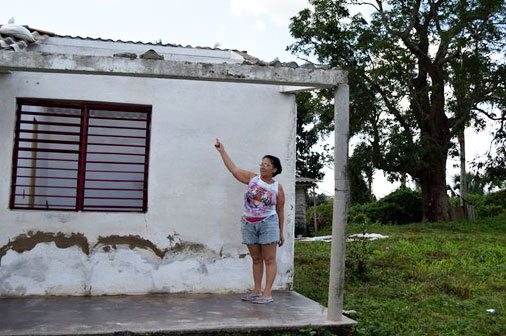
(146, 68)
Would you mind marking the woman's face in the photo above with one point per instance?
(267, 168)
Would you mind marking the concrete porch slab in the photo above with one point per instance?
(163, 315)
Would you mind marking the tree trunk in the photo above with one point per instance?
(403, 179)
(435, 138)
(435, 199)
(369, 185)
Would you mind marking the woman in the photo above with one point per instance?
(262, 221)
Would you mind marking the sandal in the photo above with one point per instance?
(249, 297)
(262, 299)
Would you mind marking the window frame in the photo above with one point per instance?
(85, 107)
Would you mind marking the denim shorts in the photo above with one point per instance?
(263, 232)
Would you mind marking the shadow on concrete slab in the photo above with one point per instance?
(164, 314)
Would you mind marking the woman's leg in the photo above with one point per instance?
(255, 252)
(269, 256)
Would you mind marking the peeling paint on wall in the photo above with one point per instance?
(49, 263)
(26, 242)
(132, 242)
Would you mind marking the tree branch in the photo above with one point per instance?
(434, 8)
(413, 18)
(395, 112)
(488, 115)
(366, 3)
(385, 21)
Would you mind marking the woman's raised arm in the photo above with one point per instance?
(241, 175)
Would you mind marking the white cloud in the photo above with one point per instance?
(278, 11)
(259, 26)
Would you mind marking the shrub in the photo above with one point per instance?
(491, 204)
(399, 207)
(358, 252)
(485, 205)
(358, 259)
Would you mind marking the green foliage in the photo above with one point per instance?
(475, 199)
(478, 184)
(359, 192)
(401, 62)
(425, 279)
(312, 126)
(490, 210)
(358, 255)
(360, 165)
(399, 207)
(485, 205)
(323, 214)
(318, 199)
(402, 206)
(491, 204)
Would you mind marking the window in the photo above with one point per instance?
(80, 156)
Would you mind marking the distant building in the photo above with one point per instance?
(302, 184)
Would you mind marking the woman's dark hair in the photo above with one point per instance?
(275, 162)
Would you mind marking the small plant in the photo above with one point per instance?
(358, 252)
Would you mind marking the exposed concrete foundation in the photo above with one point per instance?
(196, 314)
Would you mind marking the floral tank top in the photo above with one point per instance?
(260, 198)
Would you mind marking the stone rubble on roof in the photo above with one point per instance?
(250, 60)
(151, 54)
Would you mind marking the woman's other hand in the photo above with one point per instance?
(281, 240)
(219, 146)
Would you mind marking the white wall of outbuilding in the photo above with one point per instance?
(194, 204)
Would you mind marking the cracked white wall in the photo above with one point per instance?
(191, 195)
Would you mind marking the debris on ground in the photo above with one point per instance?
(353, 237)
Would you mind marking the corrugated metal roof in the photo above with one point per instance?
(305, 180)
(16, 44)
(144, 43)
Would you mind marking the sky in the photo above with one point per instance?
(260, 27)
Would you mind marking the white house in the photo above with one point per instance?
(110, 181)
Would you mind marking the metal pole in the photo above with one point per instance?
(341, 200)
(33, 170)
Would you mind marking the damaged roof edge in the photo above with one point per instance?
(48, 42)
(51, 34)
(119, 66)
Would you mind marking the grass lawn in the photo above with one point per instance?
(425, 279)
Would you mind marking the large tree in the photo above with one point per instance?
(401, 61)
(313, 126)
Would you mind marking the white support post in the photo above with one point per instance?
(341, 200)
